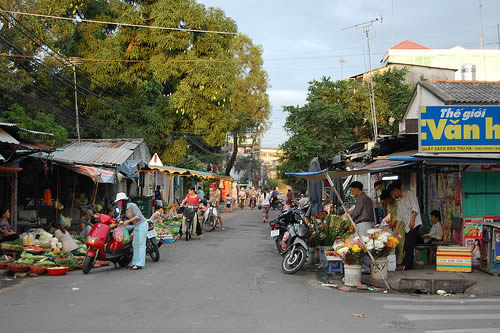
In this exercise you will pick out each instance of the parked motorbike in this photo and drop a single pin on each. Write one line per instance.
(103, 247)
(279, 226)
(295, 243)
(152, 243)
(277, 204)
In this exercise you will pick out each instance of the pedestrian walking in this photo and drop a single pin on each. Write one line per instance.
(409, 214)
(265, 199)
(158, 198)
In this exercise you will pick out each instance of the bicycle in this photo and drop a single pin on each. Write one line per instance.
(212, 218)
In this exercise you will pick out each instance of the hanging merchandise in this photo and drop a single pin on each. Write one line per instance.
(47, 197)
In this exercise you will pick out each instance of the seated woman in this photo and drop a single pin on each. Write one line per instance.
(68, 243)
(436, 232)
(7, 233)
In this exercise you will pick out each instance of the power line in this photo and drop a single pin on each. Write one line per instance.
(117, 23)
(108, 60)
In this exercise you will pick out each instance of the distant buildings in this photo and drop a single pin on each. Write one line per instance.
(456, 63)
(269, 160)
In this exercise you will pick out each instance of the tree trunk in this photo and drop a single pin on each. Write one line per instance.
(231, 161)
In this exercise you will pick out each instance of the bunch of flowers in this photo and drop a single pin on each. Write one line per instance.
(380, 242)
(351, 250)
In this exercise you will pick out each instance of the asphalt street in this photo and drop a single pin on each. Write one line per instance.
(229, 282)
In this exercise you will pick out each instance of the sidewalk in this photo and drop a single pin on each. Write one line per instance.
(427, 280)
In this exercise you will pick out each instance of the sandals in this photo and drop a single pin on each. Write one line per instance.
(135, 267)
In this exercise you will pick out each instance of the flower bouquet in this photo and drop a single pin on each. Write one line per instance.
(351, 250)
(380, 242)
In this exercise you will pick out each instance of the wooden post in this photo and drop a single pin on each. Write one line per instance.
(13, 201)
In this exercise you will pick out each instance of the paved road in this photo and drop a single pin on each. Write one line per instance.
(229, 282)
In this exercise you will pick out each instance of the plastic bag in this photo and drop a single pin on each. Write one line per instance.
(118, 234)
(126, 236)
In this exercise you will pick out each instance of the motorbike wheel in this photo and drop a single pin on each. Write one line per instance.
(293, 261)
(188, 230)
(88, 263)
(211, 223)
(278, 245)
(153, 250)
(124, 261)
(279, 205)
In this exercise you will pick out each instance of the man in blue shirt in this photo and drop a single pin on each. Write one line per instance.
(200, 193)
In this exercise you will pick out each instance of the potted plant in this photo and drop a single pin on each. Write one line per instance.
(381, 243)
(352, 251)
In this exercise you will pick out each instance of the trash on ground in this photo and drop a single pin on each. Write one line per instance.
(360, 315)
(441, 292)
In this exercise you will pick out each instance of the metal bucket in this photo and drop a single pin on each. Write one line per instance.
(352, 275)
(379, 267)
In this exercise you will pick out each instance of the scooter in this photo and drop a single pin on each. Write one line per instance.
(101, 246)
(295, 245)
(253, 201)
(152, 243)
(277, 203)
(211, 219)
(242, 200)
(279, 226)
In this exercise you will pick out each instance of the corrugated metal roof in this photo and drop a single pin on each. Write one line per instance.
(465, 92)
(7, 138)
(96, 152)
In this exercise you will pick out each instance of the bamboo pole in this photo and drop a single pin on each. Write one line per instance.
(354, 225)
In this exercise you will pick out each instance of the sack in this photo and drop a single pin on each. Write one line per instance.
(126, 236)
(118, 234)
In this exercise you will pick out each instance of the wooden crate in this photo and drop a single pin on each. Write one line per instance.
(454, 259)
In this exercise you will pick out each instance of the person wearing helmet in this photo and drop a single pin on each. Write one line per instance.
(129, 213)
(214, 197)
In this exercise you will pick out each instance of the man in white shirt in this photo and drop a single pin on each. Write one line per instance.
(436, 232)
(409, 214)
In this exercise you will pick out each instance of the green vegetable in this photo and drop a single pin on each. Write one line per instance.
(79, 239)
(45, 263)
(18, 242)
(25, 261)
(69, 262)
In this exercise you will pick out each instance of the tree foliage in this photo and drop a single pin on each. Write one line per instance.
(138, 82)
(336, 115)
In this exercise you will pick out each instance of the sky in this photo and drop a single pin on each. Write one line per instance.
(303, 41)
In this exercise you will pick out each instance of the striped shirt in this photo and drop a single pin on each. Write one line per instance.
(408, 204)
(133, 211)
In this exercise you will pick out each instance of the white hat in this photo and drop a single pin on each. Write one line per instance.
(121, 196)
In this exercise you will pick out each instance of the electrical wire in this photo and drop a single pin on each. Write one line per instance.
(109, 60)
(117, 23)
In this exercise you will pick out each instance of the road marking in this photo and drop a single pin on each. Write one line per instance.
(467, 330)
(463, 316)
(437, 300)
(441, 307)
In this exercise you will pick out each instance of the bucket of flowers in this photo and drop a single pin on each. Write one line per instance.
(380, 242)
(352, 251)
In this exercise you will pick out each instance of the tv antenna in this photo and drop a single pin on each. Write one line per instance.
(366, 29)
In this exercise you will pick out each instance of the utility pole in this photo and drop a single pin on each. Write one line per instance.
(366, 29)
(74, 62)
(498, 35)
(481, 37)
(342, 62)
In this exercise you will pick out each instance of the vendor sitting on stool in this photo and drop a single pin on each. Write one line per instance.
(68, 244)
(436, 232)
(7, 233)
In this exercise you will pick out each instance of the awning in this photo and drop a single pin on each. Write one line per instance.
(375, 167)
(188, 172)
(449, 158)
(99, 175)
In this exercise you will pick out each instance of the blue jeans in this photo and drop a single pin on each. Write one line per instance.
(139, 244)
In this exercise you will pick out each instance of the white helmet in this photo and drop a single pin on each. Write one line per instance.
(121, 196)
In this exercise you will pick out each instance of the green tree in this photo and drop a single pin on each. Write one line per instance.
(149, 83)
(392, 95)
(328, 122)
(250, 107)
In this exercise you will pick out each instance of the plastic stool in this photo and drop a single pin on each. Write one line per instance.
(339, 266)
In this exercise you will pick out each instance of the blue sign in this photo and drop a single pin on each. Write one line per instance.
(459, 128)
